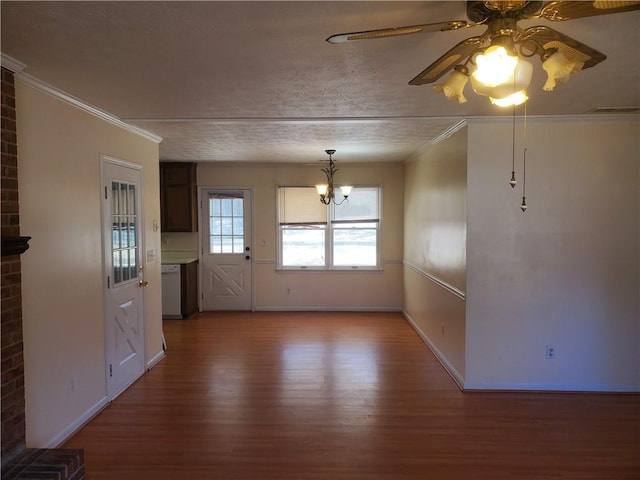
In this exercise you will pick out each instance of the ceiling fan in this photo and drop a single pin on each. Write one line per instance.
(561, 54)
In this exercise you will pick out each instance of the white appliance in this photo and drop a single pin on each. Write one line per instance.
(171, 291)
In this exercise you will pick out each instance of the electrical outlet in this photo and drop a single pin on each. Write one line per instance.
(72, 385)
(442, 328)
(288, 291)
(551, 352)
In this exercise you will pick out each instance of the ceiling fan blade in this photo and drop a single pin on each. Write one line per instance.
(571, 48)
(567, 10)
(447, 61)
(396, 31)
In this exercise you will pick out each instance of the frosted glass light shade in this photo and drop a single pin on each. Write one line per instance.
(453, 87)
(518, 81)
(346, 190)
(517, 98)
(558, 69)
(494, 67)
(322, 189)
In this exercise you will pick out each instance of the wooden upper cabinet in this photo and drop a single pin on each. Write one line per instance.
(178, 197)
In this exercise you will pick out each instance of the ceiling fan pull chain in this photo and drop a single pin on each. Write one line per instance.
(523, 206)
(513, 182)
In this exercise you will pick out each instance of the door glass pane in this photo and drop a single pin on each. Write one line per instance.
(124, 224)
(226, 223)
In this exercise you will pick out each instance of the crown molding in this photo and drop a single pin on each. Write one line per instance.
(54, 92)
(12, 64)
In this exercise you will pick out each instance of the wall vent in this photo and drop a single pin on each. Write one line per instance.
(615, 110)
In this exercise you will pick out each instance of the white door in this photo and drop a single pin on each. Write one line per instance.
(124, 282)
(226, 249)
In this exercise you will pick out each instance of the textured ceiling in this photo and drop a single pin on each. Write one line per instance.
(256, 82)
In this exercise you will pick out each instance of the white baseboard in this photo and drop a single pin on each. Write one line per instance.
(80, 422)
(152, 363)
(448, 366)
(551, 387)
(311, 308)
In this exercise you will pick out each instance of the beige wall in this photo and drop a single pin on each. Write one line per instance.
(435, 248)
(59, 149)
(289, 290)
(566, 272)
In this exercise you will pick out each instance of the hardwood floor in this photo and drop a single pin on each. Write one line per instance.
(342, 396)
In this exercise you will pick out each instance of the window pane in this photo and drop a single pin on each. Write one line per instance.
(215, 226)
(227, 244)
(238, 207)
(238, 226)
(238, 244)
(227, 210)
(131, 200)
(361, 205)
(227, 225)
(115, 204)
(354, 247)
(303, 247)
(215, 245)
(214, 207)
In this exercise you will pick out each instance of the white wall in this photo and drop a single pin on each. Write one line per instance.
(362, 290)
(59, 149)
(566, 272)
(435, 248)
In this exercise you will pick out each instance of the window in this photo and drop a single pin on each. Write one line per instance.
(226, 223)
(124, 219)
(316, 236)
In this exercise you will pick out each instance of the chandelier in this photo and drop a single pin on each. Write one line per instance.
(326, 190)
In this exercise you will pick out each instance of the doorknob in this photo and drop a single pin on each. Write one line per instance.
(143, 283)
(248, 257)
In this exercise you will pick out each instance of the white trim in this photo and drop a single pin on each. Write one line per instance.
(77, 424)
(12, 64)
(441, 283)
(595, 117)
(155, 360)
(85, 107)
(448, 366)
(324, 308)
(287, 120)
(449, 131)
(552, 387)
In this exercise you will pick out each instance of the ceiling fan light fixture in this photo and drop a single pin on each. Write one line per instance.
(453, 87)
(516, 85)
(494, 67)
(559, 68)
(517, 98)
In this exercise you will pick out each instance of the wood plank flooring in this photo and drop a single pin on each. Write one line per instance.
(342, 396)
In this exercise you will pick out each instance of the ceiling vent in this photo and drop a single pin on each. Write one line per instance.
(615, 110)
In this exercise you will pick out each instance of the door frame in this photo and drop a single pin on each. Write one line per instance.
(104, 160)
(202, 189)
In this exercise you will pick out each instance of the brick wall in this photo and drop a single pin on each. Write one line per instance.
(13, 420)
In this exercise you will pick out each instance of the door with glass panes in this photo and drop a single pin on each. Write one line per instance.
(124, 269)
(226, 250)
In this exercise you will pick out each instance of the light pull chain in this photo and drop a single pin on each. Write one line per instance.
(523, 206)
(513, 182)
